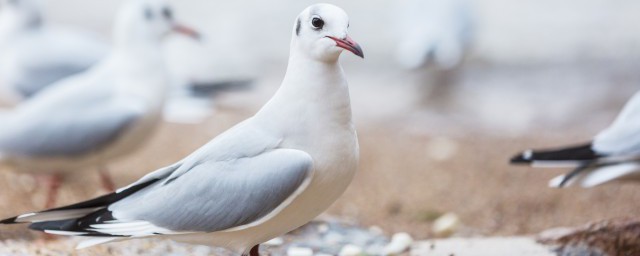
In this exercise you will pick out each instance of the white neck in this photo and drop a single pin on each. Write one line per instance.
(313, 92)
(141, 74)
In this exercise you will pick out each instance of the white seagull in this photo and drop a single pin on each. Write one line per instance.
(34, 54)
(612, 155)
(434, 32)
(262, 178)
(89, 119)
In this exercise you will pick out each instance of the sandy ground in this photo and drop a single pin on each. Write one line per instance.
(522, 246)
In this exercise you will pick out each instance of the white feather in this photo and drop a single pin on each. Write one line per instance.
(134, 228)
(56, 215)
(65, 233)
(556, 164)
(95, 241)
(610, 173)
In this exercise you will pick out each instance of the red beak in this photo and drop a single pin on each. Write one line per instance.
(348, 44)
(187, 31)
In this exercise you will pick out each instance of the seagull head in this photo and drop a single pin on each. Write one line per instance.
(21, 13)
(148, 20)
(321, 31)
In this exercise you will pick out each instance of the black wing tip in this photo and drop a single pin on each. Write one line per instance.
(582, 152)
(9, 221)
(522, 158)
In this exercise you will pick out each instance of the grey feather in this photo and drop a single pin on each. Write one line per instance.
(66, 133)
(218, 195)
(36, 79)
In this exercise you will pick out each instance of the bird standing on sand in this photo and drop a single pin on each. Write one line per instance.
(89, 119)
(35, 54)
(264, 177)
(613, 154)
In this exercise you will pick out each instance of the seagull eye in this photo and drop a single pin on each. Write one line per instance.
(317, 23)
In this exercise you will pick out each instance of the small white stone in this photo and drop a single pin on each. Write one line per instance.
(400, 242)
(442, 148)
(275, 242)
(350, 250)
(376, 230)
(323, 228)
(446, 225)
(299, 251)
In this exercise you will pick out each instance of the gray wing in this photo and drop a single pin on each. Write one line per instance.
(68, 132)
(622, 137)
(38, 78)
(215, 195)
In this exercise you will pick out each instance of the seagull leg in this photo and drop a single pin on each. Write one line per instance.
(255, 251)
(105, 179)
(53, 185)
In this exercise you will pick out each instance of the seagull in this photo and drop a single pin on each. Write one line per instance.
(266, 176)
(435, 32)
(91, 118)
(34, 54)
(612, 155)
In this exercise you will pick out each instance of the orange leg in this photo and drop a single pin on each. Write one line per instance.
(53, 186)
(105, 179)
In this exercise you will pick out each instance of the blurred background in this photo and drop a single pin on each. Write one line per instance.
(536, 73)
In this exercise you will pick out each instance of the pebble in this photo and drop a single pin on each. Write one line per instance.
(376, 230)
(350, 250)
(441, 148)
(278, 241)
(446, 225)
(323, 228)
(299, 251)
(319, 238)
(400, 243)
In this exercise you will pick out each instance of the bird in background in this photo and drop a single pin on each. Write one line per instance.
(612, 155)
(266, 176)
(89, 119)
(35, 54)
(435, 36)
(434, 32)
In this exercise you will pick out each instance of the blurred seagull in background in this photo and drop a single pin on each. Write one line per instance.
(434, 32)
(435, 35)
(91, 118)
(34, 54)
(614, 154)
(264, 177)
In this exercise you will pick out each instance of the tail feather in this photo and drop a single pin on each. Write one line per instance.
(96, 241)
(609, 173)
(572, 156)
(596, 176)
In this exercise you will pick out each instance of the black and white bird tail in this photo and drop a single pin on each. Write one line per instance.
(574, 156)
(596, 175)
(81, 219)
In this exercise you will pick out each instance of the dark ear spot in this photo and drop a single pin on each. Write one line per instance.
(298, 27)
